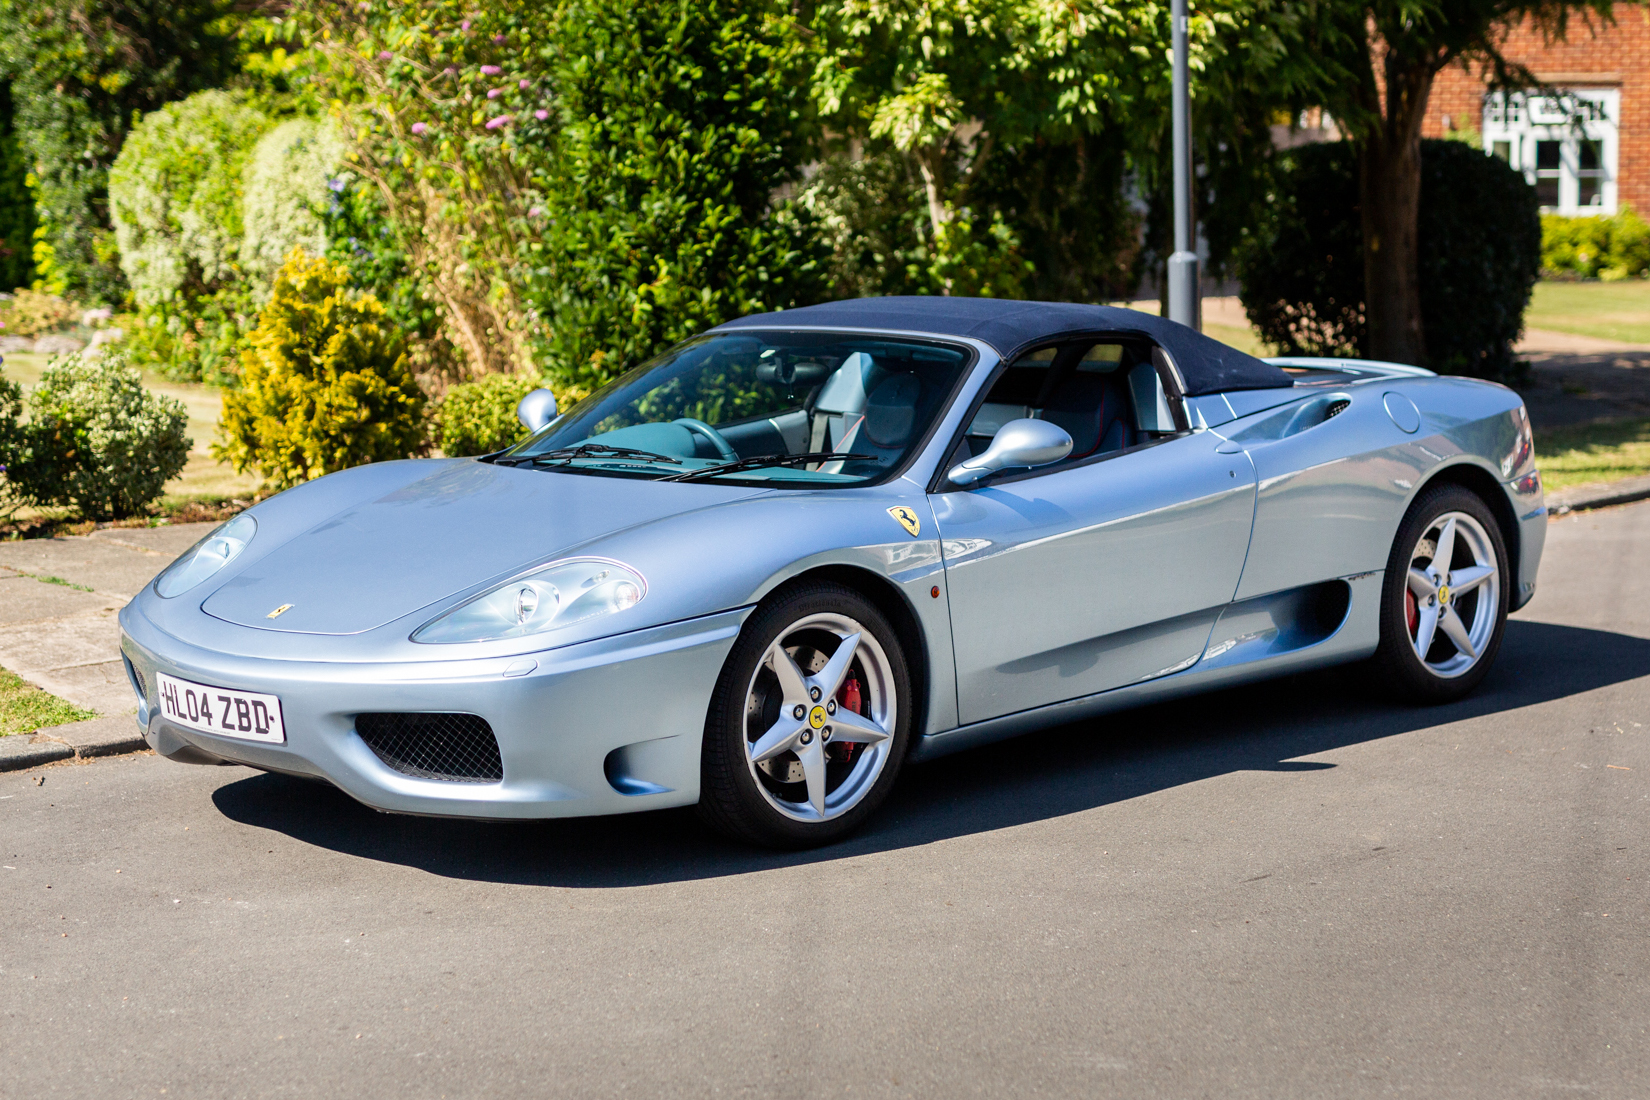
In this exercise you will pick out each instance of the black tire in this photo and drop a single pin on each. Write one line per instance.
(1398, 669)
(732, 800)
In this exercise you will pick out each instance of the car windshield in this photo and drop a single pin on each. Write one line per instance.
(788, 408)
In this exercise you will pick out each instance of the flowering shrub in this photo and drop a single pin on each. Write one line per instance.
(324, 382)
(286, 186)
(96, 440)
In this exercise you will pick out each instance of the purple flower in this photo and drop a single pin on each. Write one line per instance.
(490, 70)
(495, 123)
(541, 114)
(464, 26)
(419, 128)
(336, 183)
(498, 40)
(450, 70)
(384, 55)
(494, 93)
(524, 84)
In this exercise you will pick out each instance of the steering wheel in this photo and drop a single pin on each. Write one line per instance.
(698, 427)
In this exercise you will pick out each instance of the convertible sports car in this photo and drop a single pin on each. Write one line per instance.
(762, 571)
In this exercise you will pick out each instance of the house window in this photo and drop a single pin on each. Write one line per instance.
(1564, 143)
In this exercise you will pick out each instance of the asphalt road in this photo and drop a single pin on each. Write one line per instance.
(1288, 890)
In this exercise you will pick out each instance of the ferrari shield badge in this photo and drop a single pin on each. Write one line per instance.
(907, 519)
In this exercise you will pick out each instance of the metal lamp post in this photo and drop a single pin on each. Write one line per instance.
(1183, 278)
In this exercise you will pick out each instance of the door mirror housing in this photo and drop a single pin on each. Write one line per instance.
(1019, 443)
(536, 409)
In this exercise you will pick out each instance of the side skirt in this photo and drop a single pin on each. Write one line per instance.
(1354, 638)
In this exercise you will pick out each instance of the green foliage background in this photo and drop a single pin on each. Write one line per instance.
(1594, 247)
(1303, 276)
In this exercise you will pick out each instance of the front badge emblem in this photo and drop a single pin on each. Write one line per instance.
(907, 519)
(279, 611)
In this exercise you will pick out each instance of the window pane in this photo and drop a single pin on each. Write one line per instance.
(1546, 191)
(1502, 151)
(1547, 154)
(1590, 191)
(1592, 156)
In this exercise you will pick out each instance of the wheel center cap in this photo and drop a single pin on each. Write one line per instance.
(1443, 595)
(816, 717)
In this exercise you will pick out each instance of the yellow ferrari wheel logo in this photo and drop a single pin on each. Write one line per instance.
(816, 717)
(279, 611)
(907, 519)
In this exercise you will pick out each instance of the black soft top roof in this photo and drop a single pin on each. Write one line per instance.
(1206, 365)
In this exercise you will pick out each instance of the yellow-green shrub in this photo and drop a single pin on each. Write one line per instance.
(479, 417)
(1596, 247)
(325, 383)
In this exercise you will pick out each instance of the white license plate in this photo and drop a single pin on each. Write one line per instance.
(223, 711)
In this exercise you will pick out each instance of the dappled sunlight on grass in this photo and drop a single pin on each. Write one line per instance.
(1587, 453)
(1605, 311)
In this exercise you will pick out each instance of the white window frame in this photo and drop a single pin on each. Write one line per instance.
(1568, 116)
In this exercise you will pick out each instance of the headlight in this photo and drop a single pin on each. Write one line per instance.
(209, 555)
(558, 595)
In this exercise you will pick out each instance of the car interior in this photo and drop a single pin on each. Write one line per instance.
(1107, 394)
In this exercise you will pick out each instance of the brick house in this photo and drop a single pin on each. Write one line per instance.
(1587, 147)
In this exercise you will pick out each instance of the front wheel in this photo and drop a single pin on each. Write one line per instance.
(1444, 602)
(809, 722)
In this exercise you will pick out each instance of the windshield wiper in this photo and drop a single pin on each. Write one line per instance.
(766, 460)
(589, 450)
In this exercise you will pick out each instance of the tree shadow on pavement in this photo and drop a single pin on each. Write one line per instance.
(1067, 769)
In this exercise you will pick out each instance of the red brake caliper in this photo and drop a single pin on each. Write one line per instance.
(1412, 613)
(850, 697)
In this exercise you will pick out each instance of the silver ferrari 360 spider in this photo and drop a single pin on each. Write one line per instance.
(766, 569)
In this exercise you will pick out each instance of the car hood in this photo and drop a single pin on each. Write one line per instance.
(464, 523)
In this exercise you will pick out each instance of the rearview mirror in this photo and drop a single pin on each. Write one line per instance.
(1017, 443)
(536, 409)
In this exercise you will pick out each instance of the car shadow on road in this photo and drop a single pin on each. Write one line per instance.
(1081, 766)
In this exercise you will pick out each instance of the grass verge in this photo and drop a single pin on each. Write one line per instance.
(1606, 311)
(24, 708)
(1587, 453)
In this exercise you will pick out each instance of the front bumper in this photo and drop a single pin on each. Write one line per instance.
(607, 726)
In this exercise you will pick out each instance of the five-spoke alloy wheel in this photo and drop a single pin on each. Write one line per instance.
(810, 720)
(1444, 603)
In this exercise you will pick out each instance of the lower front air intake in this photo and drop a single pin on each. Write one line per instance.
(459, 748)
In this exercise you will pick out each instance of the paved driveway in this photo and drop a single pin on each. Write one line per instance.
(1289, 890)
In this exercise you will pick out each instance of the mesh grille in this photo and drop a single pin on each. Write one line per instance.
(456, 747)
(1336, 408)
(139, 685)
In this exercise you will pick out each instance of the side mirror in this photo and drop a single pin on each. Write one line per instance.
(1017, 443)
(536, 409)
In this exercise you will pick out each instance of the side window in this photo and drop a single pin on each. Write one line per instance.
(1106, 394)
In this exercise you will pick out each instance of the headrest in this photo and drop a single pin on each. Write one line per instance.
(892, 409)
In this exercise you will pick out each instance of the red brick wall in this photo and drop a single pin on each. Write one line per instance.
(1613, 57)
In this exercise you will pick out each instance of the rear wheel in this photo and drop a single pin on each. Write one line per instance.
(809, 723)
(1444, 602)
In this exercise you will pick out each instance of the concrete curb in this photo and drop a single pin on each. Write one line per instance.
(98, 737)
(1585, 497)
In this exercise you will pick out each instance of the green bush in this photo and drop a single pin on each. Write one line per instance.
(285, 190)
(324, 382)
(479, 417)
(672, 128)
(97, 441)
(11, 443)
(175, 196)
(1596, 247)
(1302, 272)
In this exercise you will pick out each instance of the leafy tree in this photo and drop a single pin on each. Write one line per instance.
(1372, 63)
(81, 71)
(16, 203)
(1303, 273)
(956, 86)
(674, 124)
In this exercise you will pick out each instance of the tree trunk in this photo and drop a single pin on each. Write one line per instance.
(1389, 193)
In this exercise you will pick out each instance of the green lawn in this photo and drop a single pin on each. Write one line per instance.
(203, 479)
(24, 708)
(1607, 311)
(1606, 451)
